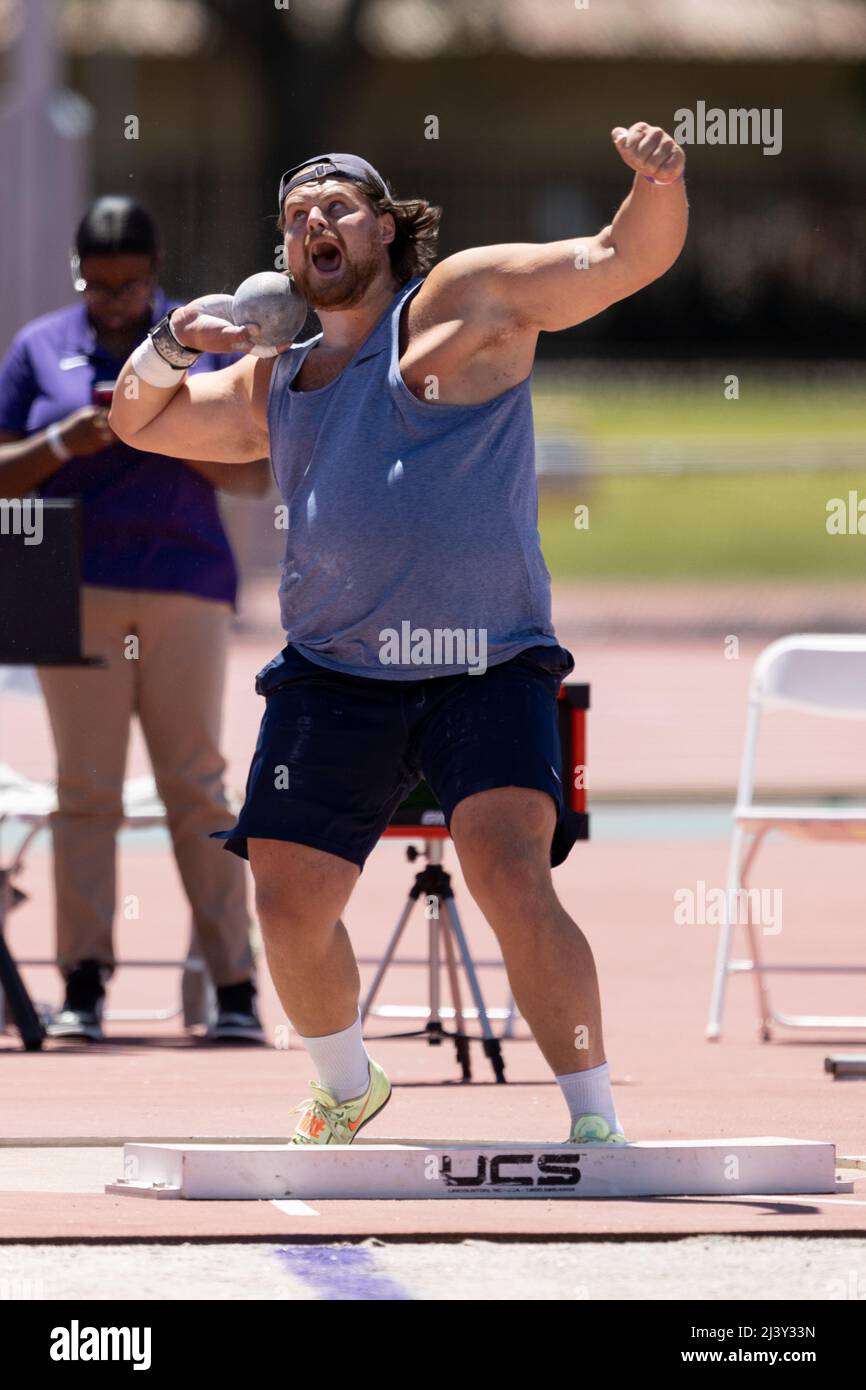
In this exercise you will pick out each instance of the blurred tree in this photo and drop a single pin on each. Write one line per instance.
(305, 86)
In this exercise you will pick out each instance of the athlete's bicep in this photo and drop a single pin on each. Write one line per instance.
(535, 287)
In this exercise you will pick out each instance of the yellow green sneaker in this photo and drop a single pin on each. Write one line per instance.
(594, 1129)
(327, 1121)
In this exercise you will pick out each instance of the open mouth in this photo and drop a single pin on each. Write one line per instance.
(327, 258)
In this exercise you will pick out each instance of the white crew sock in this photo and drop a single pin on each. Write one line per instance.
(341, 1061)
(589, 1093)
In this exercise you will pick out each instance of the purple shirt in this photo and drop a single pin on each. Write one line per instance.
(148, 521)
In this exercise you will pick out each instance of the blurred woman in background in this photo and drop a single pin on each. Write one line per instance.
(158, 592)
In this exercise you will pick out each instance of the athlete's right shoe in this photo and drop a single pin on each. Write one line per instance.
(325, 1120)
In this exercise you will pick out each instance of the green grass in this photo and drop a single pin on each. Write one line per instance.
(683, 407)
(769, 526)
(692, 526)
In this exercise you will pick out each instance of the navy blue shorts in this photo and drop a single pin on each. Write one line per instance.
(336, 754)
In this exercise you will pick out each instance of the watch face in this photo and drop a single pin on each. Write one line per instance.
(169, 348)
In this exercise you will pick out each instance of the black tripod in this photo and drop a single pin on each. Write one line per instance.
(433, 884)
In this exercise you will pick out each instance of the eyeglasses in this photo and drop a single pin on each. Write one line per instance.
(95, 289)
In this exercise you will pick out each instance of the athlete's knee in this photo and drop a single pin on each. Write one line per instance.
(504, 847)
(299, 891)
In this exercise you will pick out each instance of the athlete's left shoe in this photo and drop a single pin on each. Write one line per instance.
(325, 1120)
(594, 1129)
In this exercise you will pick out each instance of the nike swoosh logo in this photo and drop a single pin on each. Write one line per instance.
(353, 1124)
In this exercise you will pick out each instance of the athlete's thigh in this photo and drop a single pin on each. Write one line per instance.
(328, 771)
(495, 730)
(297, 881)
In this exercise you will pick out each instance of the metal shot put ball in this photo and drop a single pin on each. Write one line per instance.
(271, 302)
(219, 306)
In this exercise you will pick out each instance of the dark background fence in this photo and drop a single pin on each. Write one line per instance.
(524, 98)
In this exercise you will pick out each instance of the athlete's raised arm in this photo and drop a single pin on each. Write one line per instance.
(554, 285)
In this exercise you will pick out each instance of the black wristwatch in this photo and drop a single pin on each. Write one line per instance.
(169, 349)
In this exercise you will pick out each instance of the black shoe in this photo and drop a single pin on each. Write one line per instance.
(81, 1015)
(237, 1016)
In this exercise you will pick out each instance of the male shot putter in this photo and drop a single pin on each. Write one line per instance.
(401, 438)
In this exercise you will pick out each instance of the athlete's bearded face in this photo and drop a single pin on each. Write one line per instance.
(334, 242)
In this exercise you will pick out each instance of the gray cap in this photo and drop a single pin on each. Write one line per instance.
(322, 166)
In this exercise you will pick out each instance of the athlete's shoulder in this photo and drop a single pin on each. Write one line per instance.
(468, 266)
(464, 280)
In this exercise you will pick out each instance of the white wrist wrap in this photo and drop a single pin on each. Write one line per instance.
(147, 363)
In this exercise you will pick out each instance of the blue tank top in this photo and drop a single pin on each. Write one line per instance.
(412, 546)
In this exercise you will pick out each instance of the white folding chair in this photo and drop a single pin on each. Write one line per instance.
(817, 675)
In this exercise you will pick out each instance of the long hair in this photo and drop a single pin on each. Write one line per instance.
(413, 250)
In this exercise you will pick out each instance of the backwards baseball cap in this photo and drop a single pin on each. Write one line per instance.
(322, 166)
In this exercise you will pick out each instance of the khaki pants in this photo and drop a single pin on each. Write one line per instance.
(175, 686)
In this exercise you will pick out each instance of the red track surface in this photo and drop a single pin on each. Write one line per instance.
(664, 715)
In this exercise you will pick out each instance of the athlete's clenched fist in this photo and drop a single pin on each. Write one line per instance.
(650, 151)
